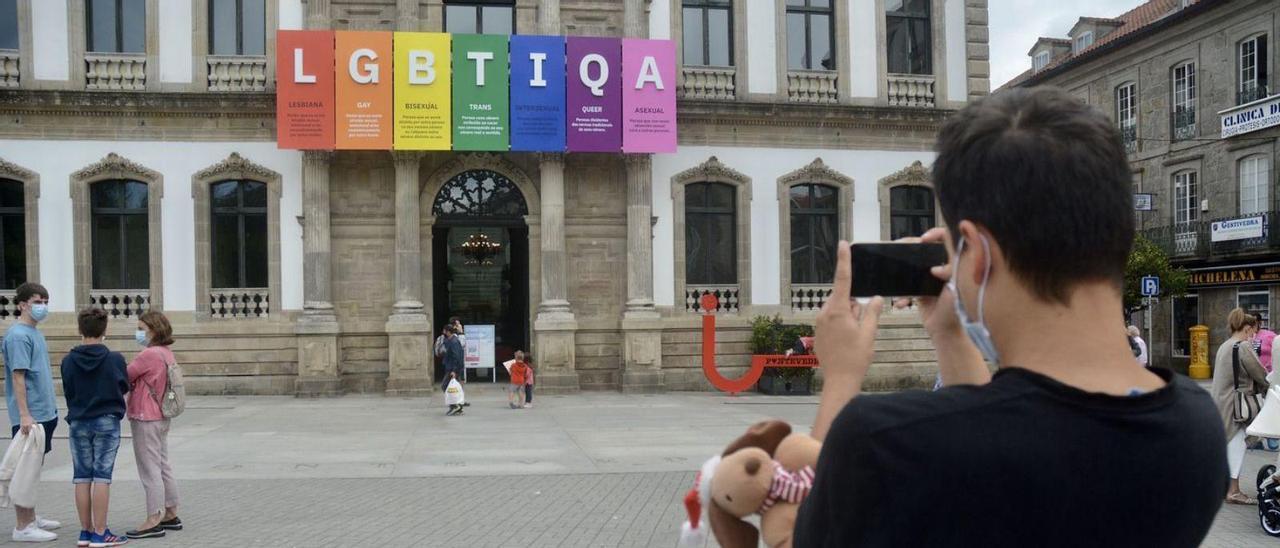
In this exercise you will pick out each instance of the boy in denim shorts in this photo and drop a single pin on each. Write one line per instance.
(94, 380)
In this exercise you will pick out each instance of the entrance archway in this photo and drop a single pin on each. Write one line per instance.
(480, 256)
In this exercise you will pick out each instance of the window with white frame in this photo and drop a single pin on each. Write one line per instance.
(1186, 201)
(1255, 174)
(1040, 61)
(1186, 314)
(1127, 113)
(1184, 100)
(1083, 41)
(1252, 66)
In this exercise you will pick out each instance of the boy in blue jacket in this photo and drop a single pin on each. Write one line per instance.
(94, 381)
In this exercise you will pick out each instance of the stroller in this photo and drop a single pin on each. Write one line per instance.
(1267, 425)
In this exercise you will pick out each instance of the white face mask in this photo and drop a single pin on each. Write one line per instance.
(977, 331)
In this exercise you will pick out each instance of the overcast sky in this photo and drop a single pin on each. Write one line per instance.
(1016, 24)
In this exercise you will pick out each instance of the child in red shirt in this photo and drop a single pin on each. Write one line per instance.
(518, 371)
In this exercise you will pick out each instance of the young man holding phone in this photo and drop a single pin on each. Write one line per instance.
(1067, 444)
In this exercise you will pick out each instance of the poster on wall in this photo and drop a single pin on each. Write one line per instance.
(594, 94)
(422, 91)
(478, 353)
(304, 89)
(363, 90)
(480, 92)
(648, 96)
(537, 93)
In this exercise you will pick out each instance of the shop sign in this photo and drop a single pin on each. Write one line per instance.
(1238, 229)
(1254, 116)
(437, 91)
(1235, 275)
(1142, 202)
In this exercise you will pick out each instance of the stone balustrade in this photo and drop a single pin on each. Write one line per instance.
(115, 71)
(911, 90)
(812, 86)
(713, 83)
(809, 297)
(727, 295)
(8, 68)
(121, 303)
(237, 73)
(240, 303)
(9, 305)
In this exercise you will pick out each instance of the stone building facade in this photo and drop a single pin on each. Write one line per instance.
(320, 272)
(1176, 77)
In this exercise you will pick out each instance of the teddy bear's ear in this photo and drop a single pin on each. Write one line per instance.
(732, 532)
(765, 435)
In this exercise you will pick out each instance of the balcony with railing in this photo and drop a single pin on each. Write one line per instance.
(812, 86)
(237, 73)
(9, 305)
(809, 297)
(253, 302)
(1251, 92)
(1237, 235)
(911, 90)
(1184, 123)
(726, 296)
(121, 303)
(1129, 136)
(713, 83)
(8, 68)
(115, 71)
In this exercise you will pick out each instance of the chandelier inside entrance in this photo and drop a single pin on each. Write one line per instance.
(479, 250)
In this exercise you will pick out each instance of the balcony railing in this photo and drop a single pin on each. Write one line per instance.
(237, 73)
(121, 303)
(809, 297)
(240, 303)
(726, 295)
(8, 68)
(911, 90)
(715, 83)
(1129, 135)
(1184, 123)
(1251, 93)
(1195, 239)
(115, 71)
(9, 305)
(812, 86)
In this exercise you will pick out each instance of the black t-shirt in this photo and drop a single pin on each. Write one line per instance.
(1022, 461)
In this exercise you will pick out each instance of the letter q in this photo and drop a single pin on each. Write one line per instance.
(584, 73)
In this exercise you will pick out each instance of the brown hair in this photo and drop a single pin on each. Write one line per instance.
(161, 331)
(30, 289)
(92, 322)
(1238, 320)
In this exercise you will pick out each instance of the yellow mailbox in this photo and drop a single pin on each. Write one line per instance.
(1199, 352)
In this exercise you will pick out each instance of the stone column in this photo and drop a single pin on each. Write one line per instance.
(549, 17)
(633, 19)
(641, 323)
(317, 328)
(555, 325)
(408, 327)
(407, 15)
(318, 14)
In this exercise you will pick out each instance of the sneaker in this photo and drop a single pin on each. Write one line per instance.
(174, 524)
(33, 534)
(528, 406)
(84, 538)
(47, 524)
(511, 405)
(106, 540)
(154, 532)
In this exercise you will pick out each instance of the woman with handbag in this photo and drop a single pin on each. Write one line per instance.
(149, 377)
(1239, 382)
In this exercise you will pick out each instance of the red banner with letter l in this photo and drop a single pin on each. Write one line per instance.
(304, 89)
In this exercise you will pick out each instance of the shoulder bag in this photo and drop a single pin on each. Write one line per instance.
(1246, 404)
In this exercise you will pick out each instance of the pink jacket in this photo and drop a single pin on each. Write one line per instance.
(1264, 354)
(148, 373)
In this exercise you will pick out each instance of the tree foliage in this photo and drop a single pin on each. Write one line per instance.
(1147, 259)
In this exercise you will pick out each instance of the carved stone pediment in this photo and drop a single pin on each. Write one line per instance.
(236, 166)
(115, 166)
(914, 174)
(816, 172)
(11, 170)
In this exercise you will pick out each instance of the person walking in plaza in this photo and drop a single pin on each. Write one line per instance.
(94, 382)
(1135, 337)
(149, 376)
(528, 384)
(29, 395)
(453, 358)
(1065, 442)
(515, 390)
(1237, 368)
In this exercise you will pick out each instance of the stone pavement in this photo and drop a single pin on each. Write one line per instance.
(596, 469)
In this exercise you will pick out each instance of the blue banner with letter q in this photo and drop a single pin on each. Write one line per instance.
(537, 93)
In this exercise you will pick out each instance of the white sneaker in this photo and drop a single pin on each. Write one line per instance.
(33, 534)
(47, 524)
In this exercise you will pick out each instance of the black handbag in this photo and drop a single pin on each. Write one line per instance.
(1247, 404)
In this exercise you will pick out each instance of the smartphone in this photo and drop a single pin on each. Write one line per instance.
(897, 269)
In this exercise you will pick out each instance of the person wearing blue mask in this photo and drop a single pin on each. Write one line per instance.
(1065, 443)
(28, 389)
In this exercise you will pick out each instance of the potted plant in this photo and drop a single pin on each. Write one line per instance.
(770, 340)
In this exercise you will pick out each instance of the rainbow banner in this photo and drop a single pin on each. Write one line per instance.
(349, 90)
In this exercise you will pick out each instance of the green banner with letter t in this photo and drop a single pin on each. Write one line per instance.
(480, 86)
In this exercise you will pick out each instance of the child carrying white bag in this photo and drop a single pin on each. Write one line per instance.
(453, 396)
(20, 469)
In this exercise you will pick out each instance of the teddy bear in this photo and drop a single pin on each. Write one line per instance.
(768, 470)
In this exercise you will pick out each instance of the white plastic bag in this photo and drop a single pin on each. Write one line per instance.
(453, 393)
(20, 469)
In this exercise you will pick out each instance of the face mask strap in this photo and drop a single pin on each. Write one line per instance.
(986, 277)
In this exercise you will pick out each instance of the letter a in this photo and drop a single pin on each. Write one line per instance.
(649, 73)
(298, 76)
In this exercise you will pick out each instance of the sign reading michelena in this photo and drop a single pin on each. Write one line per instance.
(439, 91)
(1235, 275)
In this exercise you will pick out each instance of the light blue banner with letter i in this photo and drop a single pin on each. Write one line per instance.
(537, 93)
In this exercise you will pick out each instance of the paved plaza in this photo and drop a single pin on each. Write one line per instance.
(596, 469)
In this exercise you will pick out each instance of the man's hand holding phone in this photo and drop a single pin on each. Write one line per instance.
(843, 342)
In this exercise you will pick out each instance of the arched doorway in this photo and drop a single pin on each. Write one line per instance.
(480, 258)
